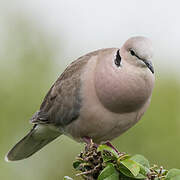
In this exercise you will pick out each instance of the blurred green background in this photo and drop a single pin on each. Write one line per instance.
(31, 59)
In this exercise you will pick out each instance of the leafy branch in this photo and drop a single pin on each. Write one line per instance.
(104, 163)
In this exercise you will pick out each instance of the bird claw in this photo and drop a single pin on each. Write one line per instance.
(89, 143)
(110, 145)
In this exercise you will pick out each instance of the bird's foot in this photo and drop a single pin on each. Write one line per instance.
(110, 145)
(89, 142)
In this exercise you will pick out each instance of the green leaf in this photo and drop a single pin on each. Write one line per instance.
(67, 178)
(103, 147)
(122, 157)
(131, 165)
(128, 175)
(141, 160)
(143, 170)
(173, 174)
(109, 173)
(76, 164)
(107, 158)
(143, 163)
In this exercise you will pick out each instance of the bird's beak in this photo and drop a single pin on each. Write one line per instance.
(149, 65)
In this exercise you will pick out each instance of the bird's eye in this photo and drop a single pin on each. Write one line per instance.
(132, 53)
(117, 60)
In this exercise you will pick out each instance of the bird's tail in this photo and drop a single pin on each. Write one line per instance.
(37, 138)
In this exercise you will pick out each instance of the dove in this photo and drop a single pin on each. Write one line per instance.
(98, 96)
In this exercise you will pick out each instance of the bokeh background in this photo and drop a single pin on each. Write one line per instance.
(38, 38)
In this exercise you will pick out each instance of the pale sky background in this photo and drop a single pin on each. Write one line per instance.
(81, 26)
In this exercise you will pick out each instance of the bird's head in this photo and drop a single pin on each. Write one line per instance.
(138, 51)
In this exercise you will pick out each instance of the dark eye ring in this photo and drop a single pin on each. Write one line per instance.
(132, 53)
(117, 60)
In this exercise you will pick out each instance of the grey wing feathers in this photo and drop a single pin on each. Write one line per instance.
(62, 103)
(31, 143)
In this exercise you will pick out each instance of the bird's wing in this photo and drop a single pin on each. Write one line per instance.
(62, 103)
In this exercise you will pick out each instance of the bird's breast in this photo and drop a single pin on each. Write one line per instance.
(125, 89)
